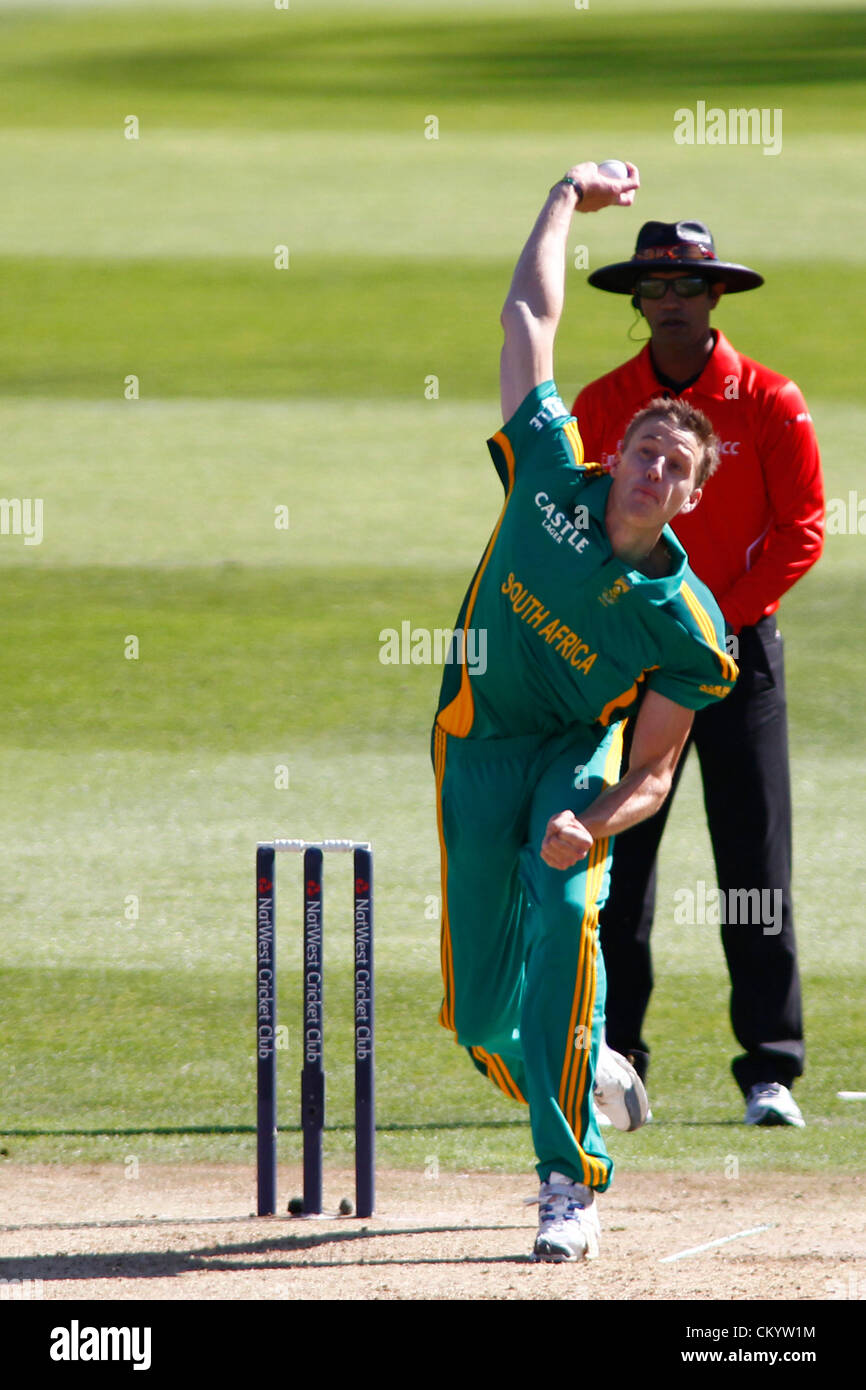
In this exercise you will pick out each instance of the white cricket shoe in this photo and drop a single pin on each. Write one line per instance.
(770, 1103)
(568, 1224)
(618, 1091)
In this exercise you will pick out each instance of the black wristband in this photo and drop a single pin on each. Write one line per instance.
(578, 187)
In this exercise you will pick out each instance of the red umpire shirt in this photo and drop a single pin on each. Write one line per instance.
(760, 524)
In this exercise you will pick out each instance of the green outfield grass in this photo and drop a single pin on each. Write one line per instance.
(134, 790)
(382, 328)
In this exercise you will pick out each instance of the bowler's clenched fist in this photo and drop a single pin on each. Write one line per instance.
(566, 841)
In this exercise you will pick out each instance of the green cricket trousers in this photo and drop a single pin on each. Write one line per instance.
(523, 975)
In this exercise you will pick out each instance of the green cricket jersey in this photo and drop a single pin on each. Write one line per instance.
(568, 633)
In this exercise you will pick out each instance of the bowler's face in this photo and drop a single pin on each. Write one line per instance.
(654, 477)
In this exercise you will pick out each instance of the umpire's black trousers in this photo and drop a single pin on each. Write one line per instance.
(742, 744)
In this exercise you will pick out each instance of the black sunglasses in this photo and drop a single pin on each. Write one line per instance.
(686, 286)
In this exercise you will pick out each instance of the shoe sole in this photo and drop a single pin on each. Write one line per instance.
(636, 1102)
(553, 1254)
(546, 1252)
(635, 1097)
(772, 1118)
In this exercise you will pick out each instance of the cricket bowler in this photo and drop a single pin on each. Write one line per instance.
(587, 601)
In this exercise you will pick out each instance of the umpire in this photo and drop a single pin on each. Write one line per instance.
(758, 529)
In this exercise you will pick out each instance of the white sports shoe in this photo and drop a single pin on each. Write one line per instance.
(618, 1091)
(770, 1103)
(568, 1224)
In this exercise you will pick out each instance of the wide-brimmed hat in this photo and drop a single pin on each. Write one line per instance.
(674, 246)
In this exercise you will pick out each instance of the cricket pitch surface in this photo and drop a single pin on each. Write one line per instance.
(187, 1232)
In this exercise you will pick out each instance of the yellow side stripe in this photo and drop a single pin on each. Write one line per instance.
(499, 1073)
(573, 1083)
(446, 1013)
(595, 1167)
(456, 718)
(705, 623)
(568, 1078)
(579, 1060)
(566, 1082)
(572, 434)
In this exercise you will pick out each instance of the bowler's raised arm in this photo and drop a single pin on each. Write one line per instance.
(531, 313)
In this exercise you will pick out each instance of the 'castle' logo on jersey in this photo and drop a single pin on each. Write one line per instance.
(609, 596)
(557, 525)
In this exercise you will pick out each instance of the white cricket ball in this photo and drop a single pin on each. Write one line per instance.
(614, 168)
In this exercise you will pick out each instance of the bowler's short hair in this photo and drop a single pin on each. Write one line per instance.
(682, 416)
